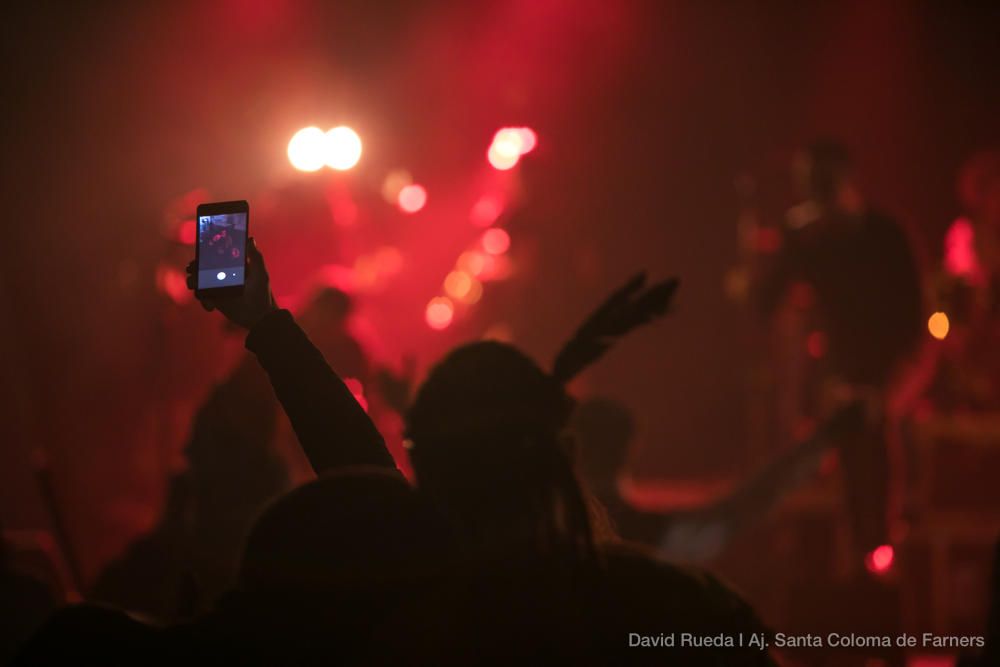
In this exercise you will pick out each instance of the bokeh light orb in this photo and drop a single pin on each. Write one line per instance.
(343, 148)
(307, 149)
(496, 241)
(473, 262)
(485, 211)
(187, 232)
(528, 139)
(880, 559)
(457, 284)
(412, 198)
(395, 180)
(439, 313)
(474, 293)
(938, 325)
(501, 160)
(508, 142)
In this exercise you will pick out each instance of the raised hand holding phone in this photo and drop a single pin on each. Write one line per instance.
(255, 301)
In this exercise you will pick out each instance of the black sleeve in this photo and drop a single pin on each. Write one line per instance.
(332, 427)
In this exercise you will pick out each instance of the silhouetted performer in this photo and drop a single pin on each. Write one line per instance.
(967, 290)
(860, 266)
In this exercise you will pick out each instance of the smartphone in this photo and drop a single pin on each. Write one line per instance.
(221, 248)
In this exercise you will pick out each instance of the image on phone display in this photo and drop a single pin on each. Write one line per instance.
(222, 241)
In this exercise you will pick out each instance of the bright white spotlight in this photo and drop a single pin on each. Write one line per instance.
(343, 148)
(307, 149)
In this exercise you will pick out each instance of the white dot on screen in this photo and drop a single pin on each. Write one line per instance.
(221, 275)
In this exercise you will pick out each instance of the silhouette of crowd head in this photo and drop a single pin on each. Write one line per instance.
(822, 171)
(486, 432)
(358, 529)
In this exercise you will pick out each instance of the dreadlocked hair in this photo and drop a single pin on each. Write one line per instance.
(486, 431)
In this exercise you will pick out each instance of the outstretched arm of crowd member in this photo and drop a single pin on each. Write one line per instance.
(332, 427)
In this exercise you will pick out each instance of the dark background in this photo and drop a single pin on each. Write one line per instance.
(645, 112)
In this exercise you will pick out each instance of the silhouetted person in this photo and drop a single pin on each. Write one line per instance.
(860, 267)
(604, 430)
(487, 447)
(235, 466)
(967, 290)
(324, 574)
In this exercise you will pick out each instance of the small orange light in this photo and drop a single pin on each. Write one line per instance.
(938, 325)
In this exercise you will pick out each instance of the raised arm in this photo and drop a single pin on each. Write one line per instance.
(333, 429)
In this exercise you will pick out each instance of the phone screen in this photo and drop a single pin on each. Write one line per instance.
(222, 244)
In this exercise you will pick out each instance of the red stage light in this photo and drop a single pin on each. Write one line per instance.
(879, 560)
(388, 260)
(816, 344)
(960, 256)
(440, 312)
(458, 284)
(412, 198)
(496, 241)
(395, 180)
(485, 211)
(171, 281)
(473, 262)
(528, 139)
(187, 233)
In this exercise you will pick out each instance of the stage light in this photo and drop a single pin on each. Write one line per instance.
(457, 284)
(439, 313)
(500, 160)
(879, 560)
(395, 180)
(508, 142)
(473, 262)
(528, 139)
(365, 271)
(342, 148)
(307, 149)
(485, 211)
(474, 294)
(187, 232)
(171, 281)
(388, 260)
(460, 286)
(412, 198)
(816, 344)
(938, 325)
(496, 241)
